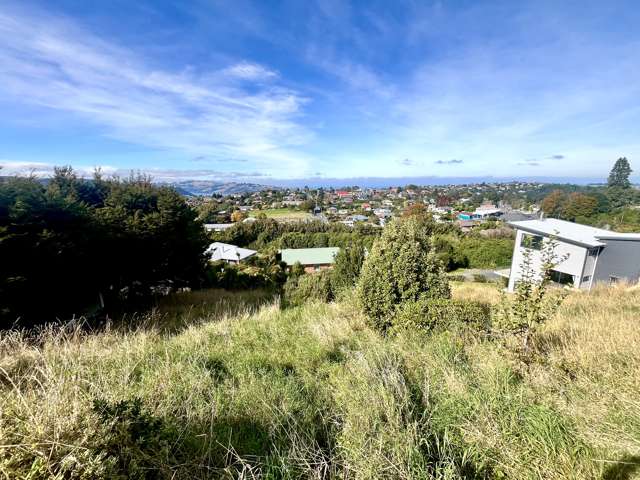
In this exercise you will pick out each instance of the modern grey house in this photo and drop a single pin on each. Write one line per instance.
(588, 255)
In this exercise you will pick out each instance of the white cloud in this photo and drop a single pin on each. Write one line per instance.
(250, 71)
(43, 169)
(52, 63)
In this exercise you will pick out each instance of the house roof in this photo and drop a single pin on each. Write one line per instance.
(218, 226)
(225, 251)
(514, 216)
(309, 256)
(573, 232)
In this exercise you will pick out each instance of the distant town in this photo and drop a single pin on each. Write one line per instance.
(466, 205)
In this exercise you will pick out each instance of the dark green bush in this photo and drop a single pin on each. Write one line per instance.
(486, 252)
(348, 264)
(87, 247)
(402, 267)
(257, 273)
(480, 278)
(311, 286)
(430, 314)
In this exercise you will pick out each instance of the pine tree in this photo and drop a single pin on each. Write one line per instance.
(619, 176)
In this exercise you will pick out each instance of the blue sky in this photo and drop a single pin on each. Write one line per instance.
(265, 90)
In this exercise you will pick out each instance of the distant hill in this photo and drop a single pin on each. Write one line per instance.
(206, 187)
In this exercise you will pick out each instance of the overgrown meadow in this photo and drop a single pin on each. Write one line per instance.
(208, 388)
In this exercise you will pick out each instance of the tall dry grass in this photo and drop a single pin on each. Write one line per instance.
(312, 392)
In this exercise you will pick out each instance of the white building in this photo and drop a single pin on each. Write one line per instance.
(588, 255)
(217, 227)
(228, 253)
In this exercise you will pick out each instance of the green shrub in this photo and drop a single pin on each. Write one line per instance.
(533, 302)
(402, 266)
(312, 286)
(429, 314)
(347, 266)
(486, 252)
(457, 278)
(480, 278)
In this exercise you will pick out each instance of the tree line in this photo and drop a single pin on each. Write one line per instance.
(597, 205)
(73, 246)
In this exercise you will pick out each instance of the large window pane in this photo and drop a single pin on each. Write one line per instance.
(534, 242)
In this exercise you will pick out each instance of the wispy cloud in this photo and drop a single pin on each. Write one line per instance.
(556, 157)
(453, 161)
(51, 62)
(529, 162)
(406, 162)
(250, 71)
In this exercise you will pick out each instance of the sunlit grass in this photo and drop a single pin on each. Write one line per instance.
(248, 391)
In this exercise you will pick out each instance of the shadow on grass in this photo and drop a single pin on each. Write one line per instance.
(175, 312)
(623, 469)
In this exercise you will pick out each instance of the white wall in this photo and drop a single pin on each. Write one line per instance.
(572, 264)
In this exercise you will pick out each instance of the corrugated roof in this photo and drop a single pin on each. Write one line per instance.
(573, 232)
(225, 251)
(309, 256)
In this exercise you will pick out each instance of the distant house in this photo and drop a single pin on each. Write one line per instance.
(312, 259)
(228, 253)
(481, 213)
(217, 227)
(589, 255)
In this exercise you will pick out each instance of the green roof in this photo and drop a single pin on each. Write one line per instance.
(309, 256)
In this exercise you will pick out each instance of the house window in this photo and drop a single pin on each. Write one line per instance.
(561, 278)
(533, 242)
(586, 278)
(613, 280)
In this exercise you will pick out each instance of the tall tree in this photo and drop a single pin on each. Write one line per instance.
(579, 206)
(619, 176)
(552, 203)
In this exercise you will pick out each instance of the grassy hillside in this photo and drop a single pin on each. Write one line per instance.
(312, 392)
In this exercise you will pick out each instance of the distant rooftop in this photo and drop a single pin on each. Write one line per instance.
(218, 226)
(309, 256)
(225, 251)
(573, 232)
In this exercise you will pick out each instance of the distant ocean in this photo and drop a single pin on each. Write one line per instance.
(382, 182)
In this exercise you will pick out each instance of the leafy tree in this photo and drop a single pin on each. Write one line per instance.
(619, 176)
(238, 216)
(579, 206)
(402, 266)
(552, 203)
(416, 210)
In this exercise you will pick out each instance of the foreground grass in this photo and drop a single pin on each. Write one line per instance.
(312, 392)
